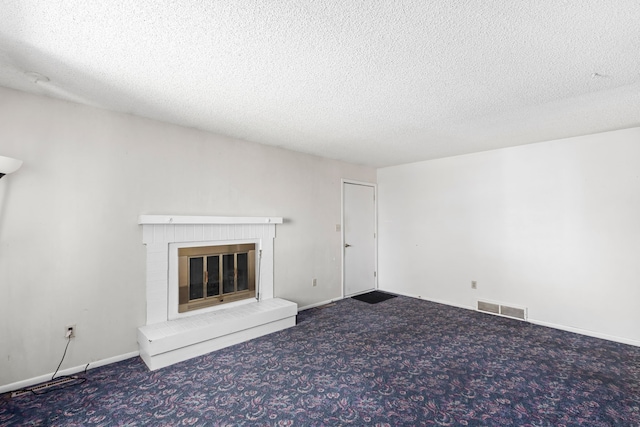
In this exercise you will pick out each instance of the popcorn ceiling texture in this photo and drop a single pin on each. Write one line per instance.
(376, 83)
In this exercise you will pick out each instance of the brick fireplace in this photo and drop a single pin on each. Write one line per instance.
(169, 335)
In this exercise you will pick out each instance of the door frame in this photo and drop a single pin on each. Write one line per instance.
(375, 227)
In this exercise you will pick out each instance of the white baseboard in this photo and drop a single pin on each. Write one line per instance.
(466, 307)
(69, 371)
(318, 304)
(538, 322)
(586, 332)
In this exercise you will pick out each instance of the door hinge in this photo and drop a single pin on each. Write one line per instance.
(375, 274)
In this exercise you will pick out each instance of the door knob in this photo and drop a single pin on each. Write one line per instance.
(346, 245)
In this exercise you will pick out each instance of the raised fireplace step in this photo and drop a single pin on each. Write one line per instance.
(165, 343)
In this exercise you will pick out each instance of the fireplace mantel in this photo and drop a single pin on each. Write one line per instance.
(182, 219)
(169, 336)
(163, 234)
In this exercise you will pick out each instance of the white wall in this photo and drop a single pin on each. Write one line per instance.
(553, 226)
(71, 251)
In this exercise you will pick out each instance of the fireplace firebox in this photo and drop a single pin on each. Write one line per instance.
(213, 275)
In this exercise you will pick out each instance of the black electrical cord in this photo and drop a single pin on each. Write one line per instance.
(63, 355)
(78, 380)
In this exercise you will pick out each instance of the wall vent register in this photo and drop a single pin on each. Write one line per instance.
(212, 275)
(502, 310)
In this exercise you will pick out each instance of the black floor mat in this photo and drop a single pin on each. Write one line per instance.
(374, 297)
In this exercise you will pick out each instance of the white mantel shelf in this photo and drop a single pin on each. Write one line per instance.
(181, 219)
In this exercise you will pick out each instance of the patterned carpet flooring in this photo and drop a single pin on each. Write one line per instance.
(401, 362)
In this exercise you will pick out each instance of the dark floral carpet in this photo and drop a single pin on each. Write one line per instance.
(402, 362)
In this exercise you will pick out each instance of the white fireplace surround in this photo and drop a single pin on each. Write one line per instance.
(164, 234)
(170, 337)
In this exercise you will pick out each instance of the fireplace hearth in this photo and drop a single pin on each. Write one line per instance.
(224, 296)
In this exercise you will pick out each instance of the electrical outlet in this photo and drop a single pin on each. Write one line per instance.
(314, 282)
(474, 284)
(70, 331)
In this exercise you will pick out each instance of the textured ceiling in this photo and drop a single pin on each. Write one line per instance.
(377, 83)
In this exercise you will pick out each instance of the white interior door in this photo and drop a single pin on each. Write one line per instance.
(359, 228)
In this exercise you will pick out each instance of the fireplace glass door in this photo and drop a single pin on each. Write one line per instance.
(213, 275)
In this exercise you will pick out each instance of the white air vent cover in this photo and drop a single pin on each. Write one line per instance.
(519, 313)
(489, 307)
